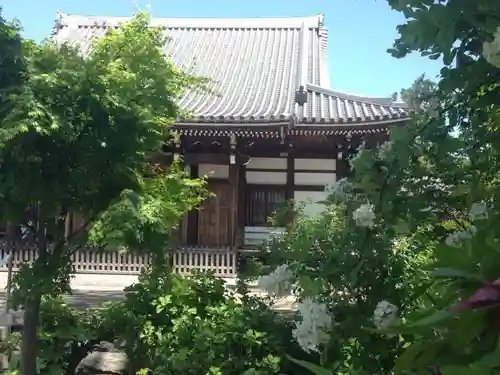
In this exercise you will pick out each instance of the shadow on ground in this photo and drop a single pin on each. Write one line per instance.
(83, 299)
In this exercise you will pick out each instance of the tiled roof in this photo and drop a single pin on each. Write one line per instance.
(325, 106)
(255, 64)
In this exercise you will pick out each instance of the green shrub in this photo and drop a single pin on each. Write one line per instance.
(65, 336)
(173, 325)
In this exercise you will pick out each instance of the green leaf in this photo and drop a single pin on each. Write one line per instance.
(489, 361)
(353, 275)
(401, 227)
(407, 360)
(460, 370)
(453, 273)
(437, 317)
(315, 369)
(311, 288)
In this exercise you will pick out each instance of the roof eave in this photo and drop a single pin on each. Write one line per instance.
(333, 123)
(354, 122)
(231, 123)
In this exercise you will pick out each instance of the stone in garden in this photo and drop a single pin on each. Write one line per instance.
(104, 359)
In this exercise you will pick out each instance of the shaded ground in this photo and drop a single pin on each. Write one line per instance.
(83, 299)
(93, 282)
(93, 298)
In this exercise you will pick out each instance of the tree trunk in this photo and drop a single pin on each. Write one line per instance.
(31, 320)
(29, 342)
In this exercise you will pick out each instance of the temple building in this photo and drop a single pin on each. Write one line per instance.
(273, 129)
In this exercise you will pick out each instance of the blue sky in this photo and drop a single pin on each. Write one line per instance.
(360, 31)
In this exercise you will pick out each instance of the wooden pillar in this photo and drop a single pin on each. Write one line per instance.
(240, 233)
(192, 216)
(234, 182)
(68, 225)
(164, 156)
(344, 153)
(176, 146)
(180, 233)
(290, 173)
(340, 163)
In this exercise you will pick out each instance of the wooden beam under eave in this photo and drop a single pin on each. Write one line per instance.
(315, 147)
(213, 158)
(206, 158)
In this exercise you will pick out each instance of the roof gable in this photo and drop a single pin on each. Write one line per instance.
(255, 65)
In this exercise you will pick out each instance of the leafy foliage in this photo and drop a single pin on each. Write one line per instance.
(14, 67)
(352, 268)
(416, 223)
(143, 221)
(174, 325)
(78, 134)
(65, 337)
(458, 333)
(79, 116)
(170, 325)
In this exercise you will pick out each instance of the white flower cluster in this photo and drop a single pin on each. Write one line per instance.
(491, 50)
(385, 315)
(359, 153)
(312, 330)
(433, 107)
(384, 149)
(478, 211)
(364, 215)
(456, 239)
(277, 283)
(339, 189)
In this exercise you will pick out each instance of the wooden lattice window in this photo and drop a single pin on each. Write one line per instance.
(261, 202)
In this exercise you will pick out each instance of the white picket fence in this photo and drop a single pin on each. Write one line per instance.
(221, 261)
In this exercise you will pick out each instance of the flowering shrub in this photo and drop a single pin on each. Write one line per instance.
(370, 271)
(404, 262)
(351, 268)
(491, 50)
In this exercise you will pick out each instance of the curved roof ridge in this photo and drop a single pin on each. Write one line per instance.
(254, 66)
(315, 21)
(359, 98)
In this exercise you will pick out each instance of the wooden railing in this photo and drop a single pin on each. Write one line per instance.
(222, 261)
(85, 260)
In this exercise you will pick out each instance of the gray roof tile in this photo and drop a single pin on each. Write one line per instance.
(326, 106)
(255, 65)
